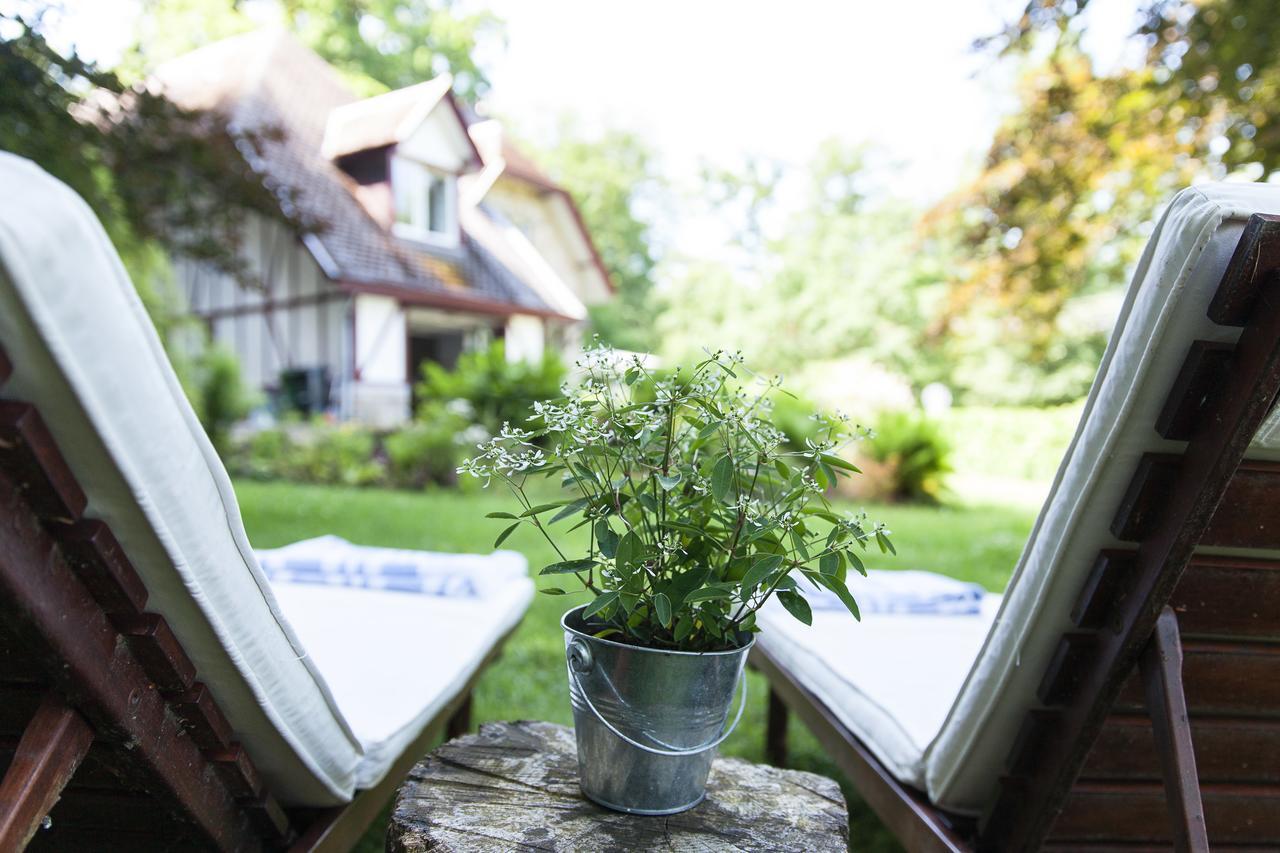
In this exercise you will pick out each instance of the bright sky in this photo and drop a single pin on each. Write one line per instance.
(711, 81)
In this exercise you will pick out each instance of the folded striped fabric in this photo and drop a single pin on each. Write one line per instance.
(902, 593)
(333, 561)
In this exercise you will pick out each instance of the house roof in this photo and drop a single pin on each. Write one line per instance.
(502, 158)
(266, 79)
(391, 118)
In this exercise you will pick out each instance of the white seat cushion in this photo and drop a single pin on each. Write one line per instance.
(86, 354)
(890, 678)
(1163, 313)
(393, 659)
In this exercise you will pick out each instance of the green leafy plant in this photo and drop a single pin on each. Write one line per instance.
(429, 449)
(915, 454)
(499, 391)
(696, 510)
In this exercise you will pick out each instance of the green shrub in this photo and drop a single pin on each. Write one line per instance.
(264, 455)
(498, 391)
(914, 454)
(429, 449)
(314, 452)
(224, 399)
(340, 454)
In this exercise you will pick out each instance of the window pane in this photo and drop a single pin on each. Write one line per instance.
(402, 175)
(438, 213)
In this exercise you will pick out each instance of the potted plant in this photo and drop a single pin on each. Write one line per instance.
(691, 512)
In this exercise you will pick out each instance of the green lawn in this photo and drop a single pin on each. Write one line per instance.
(977, 543)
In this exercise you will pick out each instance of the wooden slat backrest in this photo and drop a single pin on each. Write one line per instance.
(1084, 771)
(72, 618)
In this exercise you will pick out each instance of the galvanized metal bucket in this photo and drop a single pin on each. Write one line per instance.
(648, 721)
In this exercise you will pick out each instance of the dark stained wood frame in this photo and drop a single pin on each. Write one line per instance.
(1122, 620)
(118, 677)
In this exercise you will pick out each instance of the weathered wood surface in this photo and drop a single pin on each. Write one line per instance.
(515, 786)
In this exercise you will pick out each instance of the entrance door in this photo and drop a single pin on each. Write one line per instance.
(441, 347)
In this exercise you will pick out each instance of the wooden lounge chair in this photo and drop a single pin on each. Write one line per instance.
(153, 694)
(1127, 694)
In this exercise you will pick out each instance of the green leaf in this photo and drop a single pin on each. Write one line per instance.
(760, 570)
(842, 592)
(669, 483)
(541, 508)
(886, 546)
(796, 606)
(606, 539)
(798, 541)
(852, 557)
(500, 515)
(630, 550)
(662, 606)
(601, 602)
(553, 590)
(684, 627)
(829, 563)
(781, 467)
(709, 593)
(502, 537)
(568, 567)
(722, 478)
(708, 431)
(836, 462)
(577, 506)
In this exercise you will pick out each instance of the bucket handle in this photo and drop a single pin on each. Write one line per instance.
(580, 656)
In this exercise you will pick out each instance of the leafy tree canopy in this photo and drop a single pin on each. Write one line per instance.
(1087, 158)
(377, 44)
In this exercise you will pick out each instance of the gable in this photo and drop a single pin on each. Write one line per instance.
(440, 140)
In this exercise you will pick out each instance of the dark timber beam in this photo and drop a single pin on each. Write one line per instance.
(1161, 666)
(51, 748)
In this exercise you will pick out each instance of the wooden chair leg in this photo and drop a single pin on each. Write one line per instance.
(51, 748)
(460, 722)
(775, 742)
(1161, 667)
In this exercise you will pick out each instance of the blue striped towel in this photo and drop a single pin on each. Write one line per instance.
(333, 561)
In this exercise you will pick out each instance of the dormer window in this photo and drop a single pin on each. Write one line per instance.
(426, 202)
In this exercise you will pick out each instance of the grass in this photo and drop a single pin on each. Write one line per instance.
(975, 543)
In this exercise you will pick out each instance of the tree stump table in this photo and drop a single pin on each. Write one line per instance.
(515, 786)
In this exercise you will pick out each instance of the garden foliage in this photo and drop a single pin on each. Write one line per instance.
(915, 454)
(697, 511)
(499, 391)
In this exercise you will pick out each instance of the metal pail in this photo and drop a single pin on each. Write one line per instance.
(648, 721)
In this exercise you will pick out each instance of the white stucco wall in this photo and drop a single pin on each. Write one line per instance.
(380, 393)
(525, 338)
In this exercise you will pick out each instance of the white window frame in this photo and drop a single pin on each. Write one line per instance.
(404, 169)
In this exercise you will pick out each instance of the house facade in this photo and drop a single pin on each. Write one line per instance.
(433, 235)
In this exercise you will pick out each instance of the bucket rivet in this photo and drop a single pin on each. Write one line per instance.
(580, 657)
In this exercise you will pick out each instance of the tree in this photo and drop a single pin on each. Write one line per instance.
(163, 181)
(155, 174)
(841, 279)
(377, 44)
(612, 178)
(1087, 158)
